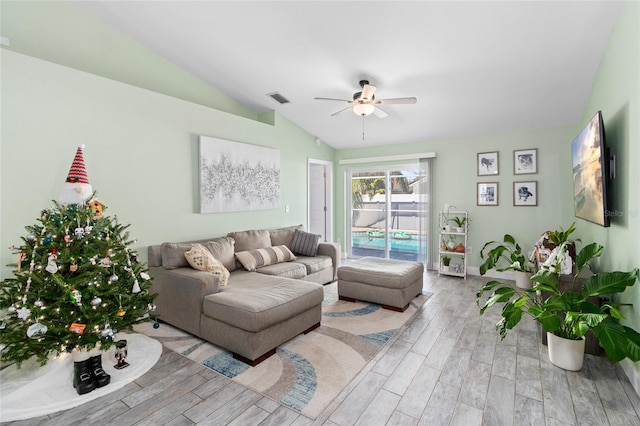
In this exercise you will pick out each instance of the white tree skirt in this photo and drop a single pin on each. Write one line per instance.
(33, 391)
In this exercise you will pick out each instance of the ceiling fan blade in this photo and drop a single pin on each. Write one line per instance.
(380, 113)
(367, 92)
(334, 99)
(395, 101)
(341, 111)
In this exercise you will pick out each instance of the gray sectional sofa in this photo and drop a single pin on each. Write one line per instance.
(257, 310)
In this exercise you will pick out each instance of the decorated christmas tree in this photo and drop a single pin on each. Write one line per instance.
(76, 281)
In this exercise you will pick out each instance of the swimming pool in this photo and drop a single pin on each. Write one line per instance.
(360, 240)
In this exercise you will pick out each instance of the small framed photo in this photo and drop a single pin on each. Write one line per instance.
(525, 193)
(487, 194)
(525, 161)
(488, 163)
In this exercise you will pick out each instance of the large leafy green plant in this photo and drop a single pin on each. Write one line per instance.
(569, 314)
(508, 253)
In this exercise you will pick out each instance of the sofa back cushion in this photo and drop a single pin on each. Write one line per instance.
(173, 255)
(250, 240)
(223, 249)
(283, 236)
(253, 259)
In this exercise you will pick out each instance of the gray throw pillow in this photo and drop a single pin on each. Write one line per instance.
(305, 243)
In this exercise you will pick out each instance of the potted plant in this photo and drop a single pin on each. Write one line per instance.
(567, 316)
(459, 221)
(508, 253)
(446, 262)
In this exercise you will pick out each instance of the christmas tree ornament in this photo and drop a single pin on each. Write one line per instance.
(38, 303)
(136, 287)
(20, 258)
(151, 307)
(88, 229)
(52, 266)
(76, 296)
(156, 324)
(31, 237)
(36, 329)
(67, 238)
(113, 278)
(3, 325)
(73, 267)
(121, 312)
(76, 189)
(105, 262)
(11, 309)
(96, 301)
(77, 328)
(24, 313)
(79, 233)
(96, 208)
(47, 240)
(107, 331)
(144, 276)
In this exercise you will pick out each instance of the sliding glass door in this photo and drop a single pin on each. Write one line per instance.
(389, 212)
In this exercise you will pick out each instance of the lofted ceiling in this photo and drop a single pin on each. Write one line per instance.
(475, 67)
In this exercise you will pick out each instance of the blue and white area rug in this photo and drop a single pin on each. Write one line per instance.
(309, 371)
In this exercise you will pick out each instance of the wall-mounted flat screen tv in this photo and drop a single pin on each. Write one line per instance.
(591, 173)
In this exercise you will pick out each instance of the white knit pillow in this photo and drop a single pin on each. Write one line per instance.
(201, 259)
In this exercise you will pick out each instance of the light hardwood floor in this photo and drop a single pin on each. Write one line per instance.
(447, 367)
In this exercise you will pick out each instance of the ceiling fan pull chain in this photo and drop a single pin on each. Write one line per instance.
(363, 127)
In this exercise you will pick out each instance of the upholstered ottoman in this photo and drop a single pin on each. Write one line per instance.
(387, 282)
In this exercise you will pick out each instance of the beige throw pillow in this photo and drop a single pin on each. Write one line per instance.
(201, 259)
(253, 259)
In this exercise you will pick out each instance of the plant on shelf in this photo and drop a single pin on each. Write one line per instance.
(568, 314)
(459, 221)
(507, 252)
(446, 261)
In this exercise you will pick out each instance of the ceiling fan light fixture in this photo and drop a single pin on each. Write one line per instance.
(363, 109)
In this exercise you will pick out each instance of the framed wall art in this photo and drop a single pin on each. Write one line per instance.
(488, 163)
(525, 161)
(525, 193)
(238, 176)
(487, 194)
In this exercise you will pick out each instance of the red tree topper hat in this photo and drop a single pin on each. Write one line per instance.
(78, 172)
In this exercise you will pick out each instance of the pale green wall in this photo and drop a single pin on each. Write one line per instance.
(455, 177)
(141, 154)
(60, 32)
(616, 91)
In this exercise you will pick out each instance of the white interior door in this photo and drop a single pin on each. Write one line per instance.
(320, 211)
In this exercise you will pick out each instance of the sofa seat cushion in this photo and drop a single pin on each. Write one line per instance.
(293, 270)
(254, 303)
(315, 264)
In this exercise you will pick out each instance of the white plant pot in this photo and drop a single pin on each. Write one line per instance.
(447, 228)
(446, 268)
(460, 230)
(523, 279)
(566, 353)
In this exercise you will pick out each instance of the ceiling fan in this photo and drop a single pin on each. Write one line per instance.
(365, 103)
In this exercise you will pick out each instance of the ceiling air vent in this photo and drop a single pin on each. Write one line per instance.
(278, 98)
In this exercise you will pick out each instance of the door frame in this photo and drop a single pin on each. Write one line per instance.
(328, 197)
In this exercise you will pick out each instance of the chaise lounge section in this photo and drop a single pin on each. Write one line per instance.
(261, 307)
